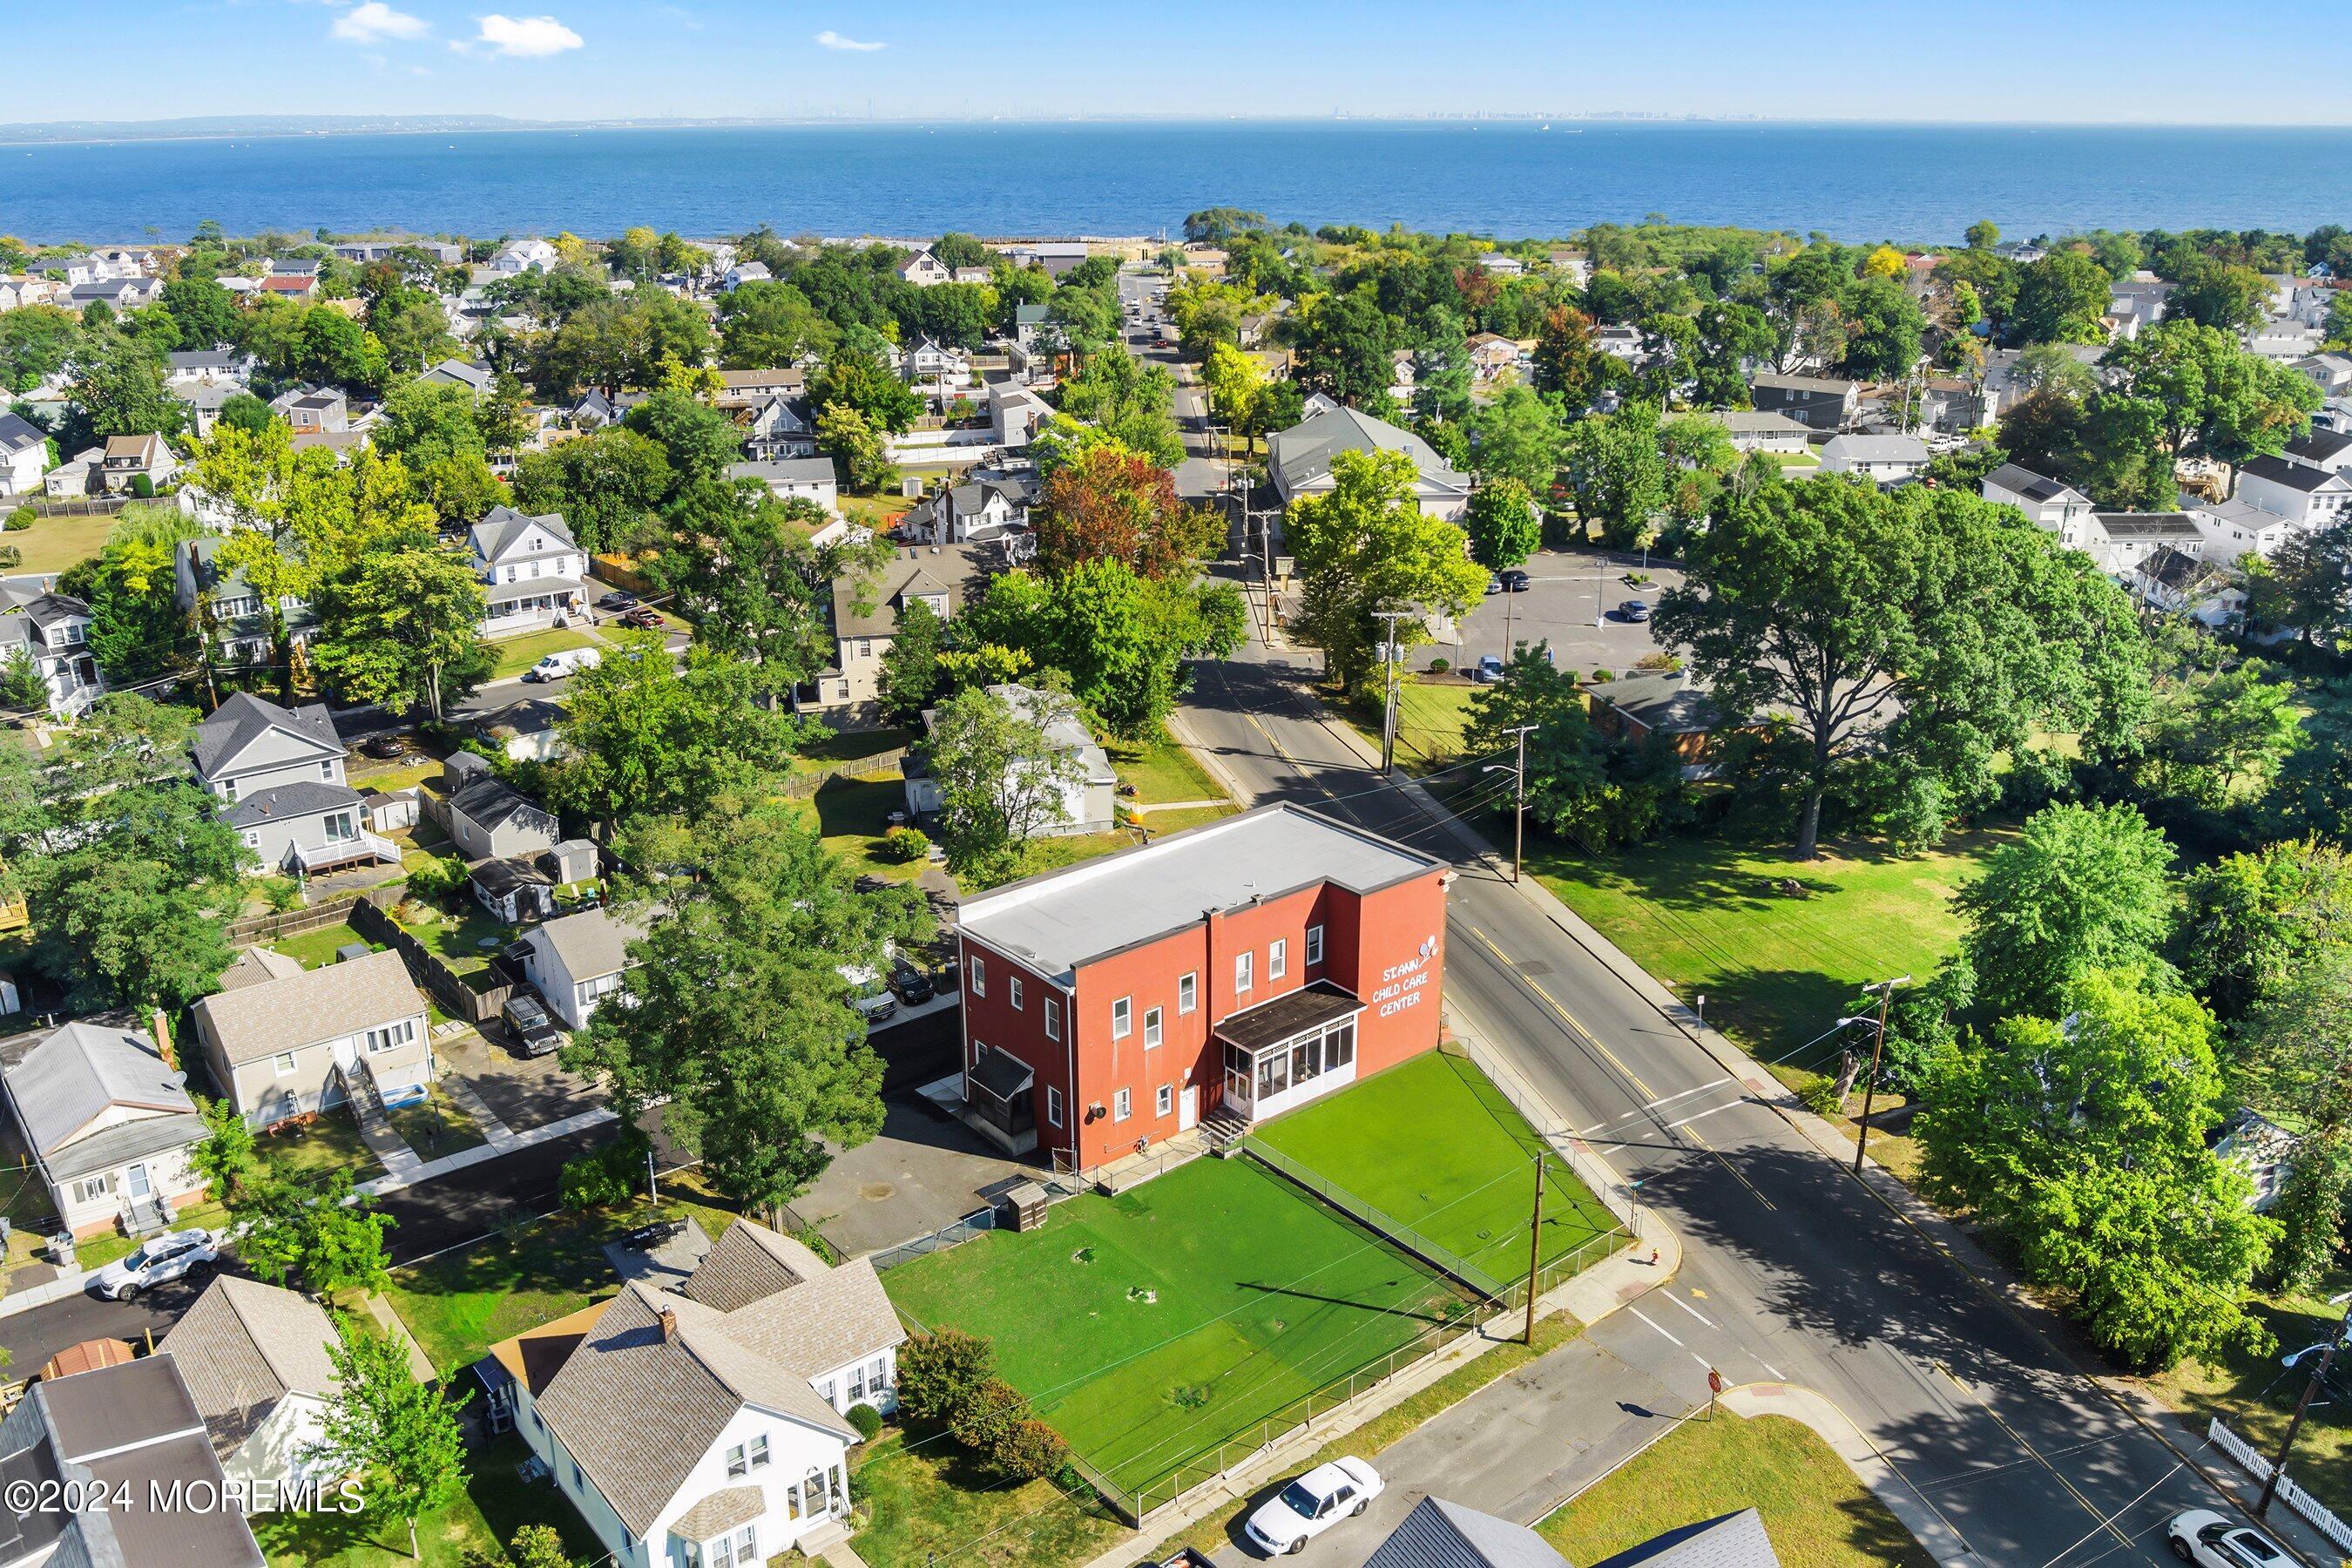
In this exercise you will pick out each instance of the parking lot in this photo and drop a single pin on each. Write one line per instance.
(1567, 594)
(922, 1172)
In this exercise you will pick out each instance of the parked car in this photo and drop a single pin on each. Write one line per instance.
(868, 992)
(569, 661)
(532, 1026)
(1515, 581)
(616, 600)
(385, 748)
(1312, 1504)
(1494, 584)
(158, 1260)
(2200, 1535)
(911, 986)
(642, 616)
(1490, 667)
(1634, 609)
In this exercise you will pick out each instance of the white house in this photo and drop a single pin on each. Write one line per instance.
(1299, 459)
(52, 629)
(986, 507)
(936, 369)
(2181, 584)
(286, 1041)
(744, 272)
(2119, 541)
(706, 1425)
(24, 454)
(2235, 527)
(476, 379)
(2299, 491)
(1882, 458)
(278, 775)
(1753, 432)
(576, 962)
(810, 479)
(255, 1358)
(233, 612)
(519, 256)
(1089, 799)
(532, 569)
(2322, 448)
(925, 271)
(106, 1119)
(2052, 505)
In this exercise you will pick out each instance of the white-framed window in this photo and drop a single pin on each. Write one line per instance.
(1053, 1019)
(90, 1188)
(391, 1036)
(1012, 991)
(1053, 1106)
(1313, 946)
(858, 1383)
(1122, 1018)
(740, 1549)
(1151, 1027)
(1165, 1101)
(1245, 967)
(1122, 1105)
(1187, 991)
(878, 1376)
(1277, 957)
(760, 1454)
(979, 976)
(739, 1462)
(327, 771)
(978, 1052)
(283, 1063)
(825, 1391)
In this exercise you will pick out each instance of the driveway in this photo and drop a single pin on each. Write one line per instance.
(523, 1091)
(1568, 590)
(922, 1172)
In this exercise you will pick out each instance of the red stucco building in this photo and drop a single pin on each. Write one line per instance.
(1245, 968)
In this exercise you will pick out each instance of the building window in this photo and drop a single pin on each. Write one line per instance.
(1187, 990)
(283, 1062)
(1151, 1027)
(737, 1463)
(1122, 1018)
(979, 976)
(857, 1383)
(91, 1188)
(1243, 963)
(1339, 1046)
(978, 1052)
(1013, 992)
(327, 771)
(1277, 957)
(1122, 1105)
(825, 1391)
(1053, 1019)
(1053, 1106)
(1313, 946)
(760, 1451)
(1165, 1100)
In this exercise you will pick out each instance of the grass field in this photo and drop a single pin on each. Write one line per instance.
(314, 947)
(1430, 717)
(461, 1304)
(832, 748)
(2256, 1396)
(471, 1530)
(1160, 770)
(1433, 1144)
(928, 1504)
(852, 815)
(1817, 1513)
(54, 543)
(1151, 1327)
(519, 654)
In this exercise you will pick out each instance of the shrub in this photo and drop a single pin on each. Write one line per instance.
(20, 520)
(1440, 665)
(1661, 663)
(867, 1420)
(905, 845)
(11, 556)
(1822, 1097)
(1031, 1449)
(142, 487)
(537, 1546)
(438, 878)
(939, 1372)
(280, 893)
(984, 1422)
(1601, 675)
(607, 1177)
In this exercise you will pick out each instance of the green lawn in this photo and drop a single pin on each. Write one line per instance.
(1153, 1327)
(461, 1304)
(1160, 770)
(470, 1530)
(455, 934)
(1817, 1513)
(519, 654)
(2256, 1396)
(1431, 1143)
(434, 1126)
(1430, 717)
(315, 948)
(832, 748)
(331, 1142)
(54, 543)
(852, 815)
(930, 1503)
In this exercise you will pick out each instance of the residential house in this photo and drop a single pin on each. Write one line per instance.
(1033, 329)
(1884, 460)
(1442, 1534)
(925, 271)
(2117, 541)
(203, 400)
(2006, 381)
(254, 1359)
(1236, 970)
(532, 569)
(1756, 431)
(1619, 342)
(973, 276)
(52, 629)
(525, 729)
(131, 1431)
(196, 366)
(2322, 448)
(2054, 506)
(747, 388)
(1404, 374)
(299, 287)
(2179, 583)
(744, 272)
(512, 889)
(2299, 491)
(735, 1447)
(810, 479)
(489, 819)
(2330, 371)
(115, 294)
(984, 507)
(130, 458)
(2284, 341)
(1057, 257)
(371, 250)
(1299, 459)
(80, 267)
(936, 369)
(77, 476)
(278, 775)
(232, 610)
(594, 411)
(866, 616)
(313, 410)
(475, 378)
(1493, 357)
(574, 962)
(24, 454)
(107, 1121)
(1016, 414)
(520, 255)
(1818, 402)
(2234, 527)
(1088, 798)
(288, 1043)
(2134, 303)
(1495, 264)
(1671, 706)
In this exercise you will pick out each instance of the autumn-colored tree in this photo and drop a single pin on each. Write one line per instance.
(1112, 501)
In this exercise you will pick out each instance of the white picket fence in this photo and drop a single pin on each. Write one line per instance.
(2319, 1518)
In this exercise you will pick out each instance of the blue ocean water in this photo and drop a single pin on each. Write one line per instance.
(1915, 182)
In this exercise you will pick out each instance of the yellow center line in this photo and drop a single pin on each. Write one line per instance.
(1982, 1403)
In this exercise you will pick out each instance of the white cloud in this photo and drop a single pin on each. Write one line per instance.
(833, 41)
(375, 21)
(524, 35)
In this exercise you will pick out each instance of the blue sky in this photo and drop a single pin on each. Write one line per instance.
(2151, 60)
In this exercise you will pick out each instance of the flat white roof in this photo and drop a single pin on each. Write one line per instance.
(1063, 919)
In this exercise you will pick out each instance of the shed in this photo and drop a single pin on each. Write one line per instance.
(573, 861)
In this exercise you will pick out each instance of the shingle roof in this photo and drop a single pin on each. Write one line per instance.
(1302, 453)
(1877, 448)
(959, 571)
(63, 1081)
(2321, 445)
(258, 966)
(326, 1003)
(17, 433)
(748, 1263)
(728, 1509)
(786, 471)
(823, 1324)
(2147, 524)
(2286, 472)
(245, 1345)
(592, 943)
(1440, 1534)
(503, 525)
(285, 803)
(494, 803)
(1729, 1540)
(244, 719)
(2033, 486)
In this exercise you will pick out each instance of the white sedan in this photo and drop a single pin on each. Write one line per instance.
(1312, 1504)
(156, 1260)
(2200, 1535)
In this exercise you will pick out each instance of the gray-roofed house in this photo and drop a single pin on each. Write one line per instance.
(866, 616)
(488, 818)
(1752, 430)
(52, 629)
(1884, 460)
(308, 1041)
(1299, 459)
(1672, 705)
(475, 378)
(532, 569)
(24, 454)
(735, 1445)
(2322, 449)
(279, 774)
(1727, 1541)
(1089, 799)
(576, 962)
(2178, 582)
(254, 1357)
(233, 610)
(2299, 491)
(984, 507)
(108, 1123)
(131, 1427)
(810, 479)
(1818, 402)
(128, 459)
(2050, 503)
(1442, 1534)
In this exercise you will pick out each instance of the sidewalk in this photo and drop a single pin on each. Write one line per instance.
(67, 1285)
(418, 1171)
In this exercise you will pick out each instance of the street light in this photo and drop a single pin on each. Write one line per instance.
(2318, 1376)
(1886, 989)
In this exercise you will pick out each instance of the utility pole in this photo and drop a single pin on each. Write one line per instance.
(1886, 989)
(2319, 1377)
(1520, 804)
(1388, 662)
(1535, 1249)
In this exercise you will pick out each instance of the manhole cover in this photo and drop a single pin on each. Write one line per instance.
(875, 1192)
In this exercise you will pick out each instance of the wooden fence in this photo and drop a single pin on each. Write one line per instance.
(800, 786)
(254, 929)
(449, 993)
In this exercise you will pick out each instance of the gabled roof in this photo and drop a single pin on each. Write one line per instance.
(68, 1079)
(503, 525)
(2033, 486)
(2147, 524)
(18, 433)
(1728, 1540)
(1877, 448)
(1804, 385)
(958, 571)
(478, 377)
(592, 943)
(244, 719)
(749, 1263)
(243, 1347)
(287, 802)
(1440, 1534)
(2321, 446)
(2291, 474)
(491, 803)
(324, 1004)
(1302, 454)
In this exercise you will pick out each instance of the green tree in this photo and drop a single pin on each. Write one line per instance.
(226, 1156)
(1883, 328)
(608, 486)
(2303, 584)
(2220, 296)
(118, 390)
(1982, 235)
(761, 591)
(1568, 364)
(2251, 922)
(401, 625)
(399, 1436)
(647, 737)
(910, 676)
(1611, 466)
(538, 1546)
(2296, 1067)
(697, 441)
(765, 324)
(2082, 1145)
(1001, 779)
(22, 688)
(1343, 344)
(1365, 545)
(36, 342)
(1502, 524)
(2081, 889)
(1580, 784)
(2215, 399)
(2060, 299)
(1515, 436)
(860, 453)
(857, 377)
(204, 313)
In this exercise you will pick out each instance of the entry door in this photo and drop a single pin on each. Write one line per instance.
(1188, 1107)
(140, 1186)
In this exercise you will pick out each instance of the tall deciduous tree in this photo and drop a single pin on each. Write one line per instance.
(401, 625)
(2082, 887)
(1502, 524)
(1580, 784)
(2060, 299)
(1364, 546)
(399, 1436)
(2215, 399)
(645, 737)
(1003, 780)
(1112, 503)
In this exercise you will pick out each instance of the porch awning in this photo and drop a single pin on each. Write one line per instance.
(1001, 1075)
(1271, 1023)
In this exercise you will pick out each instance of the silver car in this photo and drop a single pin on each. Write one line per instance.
(158, 1260)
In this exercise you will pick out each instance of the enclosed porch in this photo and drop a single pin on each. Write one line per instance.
(1284, 1053)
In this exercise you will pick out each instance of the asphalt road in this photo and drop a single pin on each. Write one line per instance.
(1792, 1271)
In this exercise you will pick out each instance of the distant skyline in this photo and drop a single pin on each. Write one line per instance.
(1993, 61)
